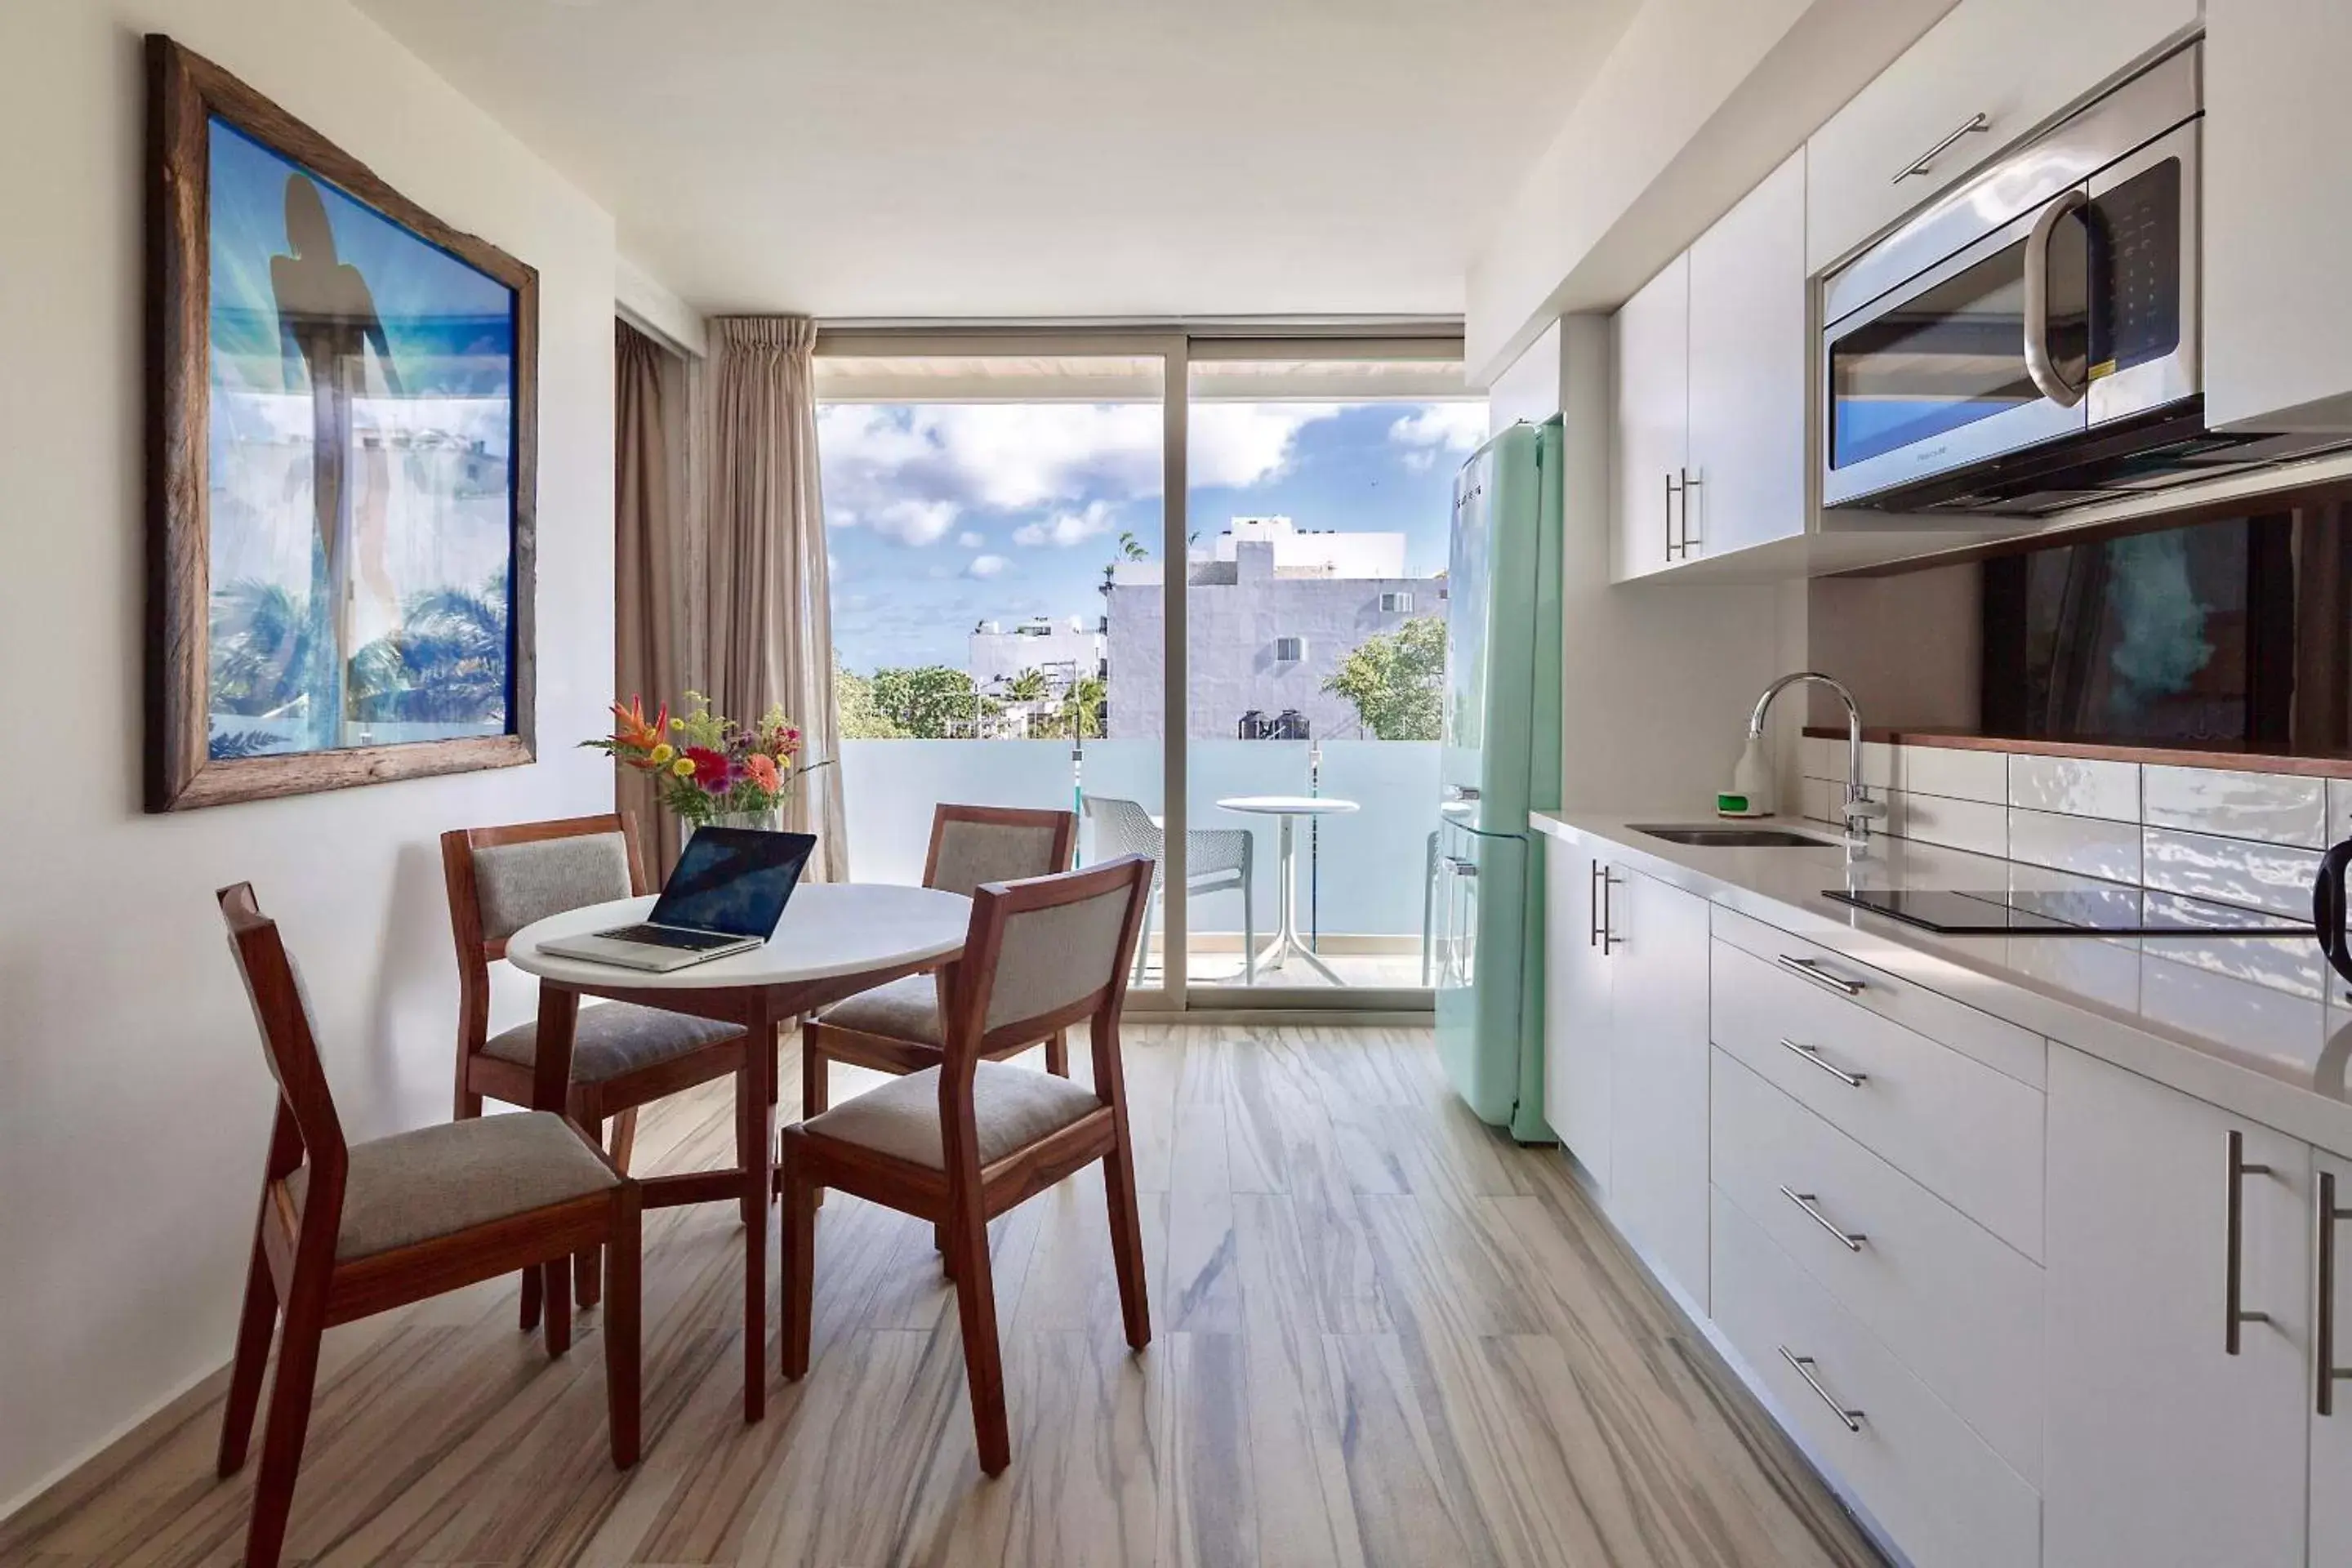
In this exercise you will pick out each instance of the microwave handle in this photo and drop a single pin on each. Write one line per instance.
(2038, 363)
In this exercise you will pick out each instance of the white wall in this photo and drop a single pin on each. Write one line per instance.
(133, 1099)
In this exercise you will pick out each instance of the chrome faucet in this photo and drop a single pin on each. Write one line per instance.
(1859, 809)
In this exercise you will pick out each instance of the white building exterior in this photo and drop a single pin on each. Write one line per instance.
(1271, 614)
(1064, 650)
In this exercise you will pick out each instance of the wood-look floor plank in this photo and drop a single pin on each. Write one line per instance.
(1384, 1335)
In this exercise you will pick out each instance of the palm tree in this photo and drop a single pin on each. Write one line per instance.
(1028, 687)
(445, 663)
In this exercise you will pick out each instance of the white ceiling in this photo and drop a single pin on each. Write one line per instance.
(992, 158)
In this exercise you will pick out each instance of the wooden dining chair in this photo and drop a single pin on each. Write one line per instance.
(500, 880)
(961, 1142)
(349, 1230)
(896, 1028)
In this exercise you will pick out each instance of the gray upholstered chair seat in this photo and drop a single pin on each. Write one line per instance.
(615, 1037)
(1013, 1108)
(437, 1181)
(906, 1009)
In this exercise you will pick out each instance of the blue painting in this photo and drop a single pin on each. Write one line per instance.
(360, 471)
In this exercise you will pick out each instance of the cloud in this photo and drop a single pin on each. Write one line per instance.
(971, 539)
(984, 566)
(1437, 430)
(913, 522)
(892, 467)
(1065, 529)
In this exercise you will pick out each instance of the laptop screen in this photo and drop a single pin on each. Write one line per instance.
(733, 879)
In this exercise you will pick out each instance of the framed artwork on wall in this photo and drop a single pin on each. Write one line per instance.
(342, 464)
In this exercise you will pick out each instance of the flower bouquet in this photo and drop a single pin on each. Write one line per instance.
(707, 768)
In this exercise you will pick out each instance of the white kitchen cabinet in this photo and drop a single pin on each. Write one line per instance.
(2331, 1435)
(1653, 426)
(2163, 1449)
(1577, 975)
(2018, 64)
(1749, 351)
(1658, 1083)
(2278, 202)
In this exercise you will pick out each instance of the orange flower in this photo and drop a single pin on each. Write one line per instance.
(762, 769)
(630, 729)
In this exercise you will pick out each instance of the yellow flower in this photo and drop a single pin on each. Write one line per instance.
(683, 767)
(662, 752)
(678, 723)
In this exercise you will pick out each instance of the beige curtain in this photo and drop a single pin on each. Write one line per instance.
(770, 627)
(648, 545)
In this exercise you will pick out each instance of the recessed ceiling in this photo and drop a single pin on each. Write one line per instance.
(1014, 158)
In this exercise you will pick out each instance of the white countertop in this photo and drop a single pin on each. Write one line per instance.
(2259, 1026)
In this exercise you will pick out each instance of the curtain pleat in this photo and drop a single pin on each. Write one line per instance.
(771, 621)
(648, 545)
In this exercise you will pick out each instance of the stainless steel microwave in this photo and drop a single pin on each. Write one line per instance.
(2028, 343)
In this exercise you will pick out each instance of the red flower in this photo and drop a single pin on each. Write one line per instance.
(709, 768)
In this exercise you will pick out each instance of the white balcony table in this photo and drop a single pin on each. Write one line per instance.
(1288, 808)
(835, 939)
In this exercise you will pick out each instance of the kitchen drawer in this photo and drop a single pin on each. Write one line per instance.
(1944, 1496)
(1999, 1045)
(1958, 1307)
(1966, 1133)
(2020, 63)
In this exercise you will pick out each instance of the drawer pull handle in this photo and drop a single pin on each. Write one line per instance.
(1814, 1054)
(1810, 969)
(2234, 1242)
(1811, 1204)
(1978, 123)
(2323, 1336)
(1804, 1365)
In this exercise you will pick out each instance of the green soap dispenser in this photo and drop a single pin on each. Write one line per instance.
(1750, 794)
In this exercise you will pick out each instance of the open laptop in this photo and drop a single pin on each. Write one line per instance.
(727, 893)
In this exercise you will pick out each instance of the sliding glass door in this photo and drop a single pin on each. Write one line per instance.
(1193, 588)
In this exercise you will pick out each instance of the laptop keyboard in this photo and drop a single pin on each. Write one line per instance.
(670, 936)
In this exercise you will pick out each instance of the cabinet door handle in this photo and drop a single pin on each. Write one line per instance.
(2233, 1310)
(1811, 1204)
(1814, 1054)
(1685, 543)
(1673, 489)
(2324, 1333)
(1592, 938)
(1811, 968)
(1609, 937)
(1804, 1365)
(1977, 123)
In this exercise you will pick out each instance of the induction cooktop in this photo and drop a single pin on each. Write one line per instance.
(2087, 911)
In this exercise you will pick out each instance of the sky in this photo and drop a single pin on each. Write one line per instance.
(939, 516)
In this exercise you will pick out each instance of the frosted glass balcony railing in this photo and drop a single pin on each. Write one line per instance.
(1360, 875)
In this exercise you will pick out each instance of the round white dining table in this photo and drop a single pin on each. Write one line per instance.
(835, 939)
(1289, 808)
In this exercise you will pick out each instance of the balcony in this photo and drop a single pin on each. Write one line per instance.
(1360, 876)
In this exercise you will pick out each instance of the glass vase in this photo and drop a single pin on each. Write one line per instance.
(771, 820)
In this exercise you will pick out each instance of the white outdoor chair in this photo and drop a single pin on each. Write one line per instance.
(1216, 860)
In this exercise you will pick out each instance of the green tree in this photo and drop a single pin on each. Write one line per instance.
(1029, 686)
(1131, 548)
(1396, 681)
(1079, 714)
(445, 662)
(853, 701)
(931, 702)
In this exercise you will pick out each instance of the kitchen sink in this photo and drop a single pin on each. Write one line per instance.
(1736, 837)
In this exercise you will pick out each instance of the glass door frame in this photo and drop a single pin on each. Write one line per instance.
(1176, 347)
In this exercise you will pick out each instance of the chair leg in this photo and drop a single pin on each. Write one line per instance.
(254, 1327)
(624, 1351)
(533, 1287)
(816, 1082)
(1126, 1243)
(625, 1137)
(588, 1263)
(289, 1424)
(983, 1360)
(943, 1243)
(558, 1272)
(1058, 1054)
(797, 1260)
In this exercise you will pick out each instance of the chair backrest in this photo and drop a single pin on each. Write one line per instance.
(502, 878)
(972, 845)
(1044, 953)
(306, 1123)
(1124, 827)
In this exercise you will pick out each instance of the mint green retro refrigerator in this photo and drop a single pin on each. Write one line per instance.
(1500, 760)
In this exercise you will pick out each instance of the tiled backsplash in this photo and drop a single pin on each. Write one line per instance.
(2243, 837)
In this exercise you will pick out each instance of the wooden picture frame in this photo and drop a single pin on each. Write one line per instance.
(185, 765)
